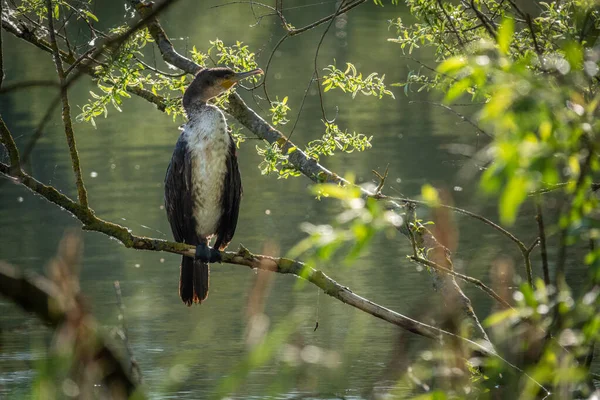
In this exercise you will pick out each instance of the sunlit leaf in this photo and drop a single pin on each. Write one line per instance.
(505, 34)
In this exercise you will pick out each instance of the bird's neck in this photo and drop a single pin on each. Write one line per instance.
(195, 108)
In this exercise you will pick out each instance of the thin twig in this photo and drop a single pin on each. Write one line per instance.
(460, 41)
(488, 25)
(11, 147)
(66, 111)
(340, 11)
(466, 278)
(478, 217)
(461, 116)
(268, 65)
(156, 70)
(39, 130)
(382, 179)
(542, 234)
(15, 86)
(312, 79)
(316, 58)
(80, 60)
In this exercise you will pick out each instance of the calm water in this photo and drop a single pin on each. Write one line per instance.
(188, 352)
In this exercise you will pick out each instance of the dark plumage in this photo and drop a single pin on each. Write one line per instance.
(203, 185)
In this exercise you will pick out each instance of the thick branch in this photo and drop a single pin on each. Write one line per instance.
(41, 296)
(242, 257)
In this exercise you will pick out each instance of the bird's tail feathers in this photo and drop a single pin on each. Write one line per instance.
(193, 281)
(201, 272)
(186, 280)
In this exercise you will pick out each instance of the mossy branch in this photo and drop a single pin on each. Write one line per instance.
(242, 257)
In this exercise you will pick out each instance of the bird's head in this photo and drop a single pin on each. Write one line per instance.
(211, 82)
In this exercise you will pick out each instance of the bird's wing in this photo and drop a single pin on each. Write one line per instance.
(232, 195)
(178, 195)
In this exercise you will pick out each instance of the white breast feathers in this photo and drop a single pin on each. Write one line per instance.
(208, 145)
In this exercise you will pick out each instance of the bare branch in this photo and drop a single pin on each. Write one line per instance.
(342, 10)
(478, 217)
(461, 116)
(27, 84)
(466, 278)
(66, 111)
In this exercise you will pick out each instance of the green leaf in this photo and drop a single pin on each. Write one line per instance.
(452, 65)
(513, 196)
(457, 90)
(90, 15)
(430, 195)
(505, 34)
(500, 316)
(573, 54)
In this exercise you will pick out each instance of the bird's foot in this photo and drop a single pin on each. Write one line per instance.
(207, 254)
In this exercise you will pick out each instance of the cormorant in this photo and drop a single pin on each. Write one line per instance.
(203, 187)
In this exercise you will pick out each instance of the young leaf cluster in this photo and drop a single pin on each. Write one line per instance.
(351, 81)
(279, 110)
(334, 139)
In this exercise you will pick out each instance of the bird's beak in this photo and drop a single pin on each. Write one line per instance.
(239, 76)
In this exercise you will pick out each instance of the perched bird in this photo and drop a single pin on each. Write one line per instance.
(203, 187)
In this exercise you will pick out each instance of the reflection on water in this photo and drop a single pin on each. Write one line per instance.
(193, 352)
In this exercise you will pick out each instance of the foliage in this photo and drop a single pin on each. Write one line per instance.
(352, 81)
(279, 110)
(355, 226)
(333, 140)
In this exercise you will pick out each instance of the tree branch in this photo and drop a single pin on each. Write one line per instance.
(525, 251)
(466, 278)
(66, 110)
(41, 296)
(343, 10)
(241, 257)
(11, 147)
(110, 43)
